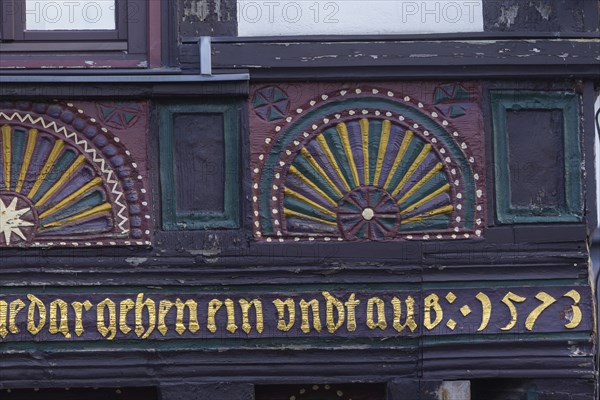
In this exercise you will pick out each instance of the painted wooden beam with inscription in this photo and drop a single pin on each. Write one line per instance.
(406, 312)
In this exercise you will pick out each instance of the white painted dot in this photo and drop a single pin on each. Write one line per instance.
(325, 97)
(277, 222)
(453, 171)
(143, 190)
(478, 208)
(256, 213)
(401, 117)
(476, 176)
(312, 102)
(439, 236)
(365, 112)
(390, 94)
(104, 130)
(116, 139)
(375, 91)
(368, 214)
(261, 157)
(281, 163)
(140, 177)
(358, 91)
(256, 170)
(343, 92)
(458, 219)
(478, 221)
(459, 195)
(296, 239)
(299, 110)
(463, 146)
(443, 151)
(471, 160)
(453, 236)
(409, 237)
(274, 198)
(325, 120)
(327, 239)
(467, 235)
(258, 233)
(445, 123)
(338, 116)
(268, 140)
(255, 186)
(378, 113)
(420, 105)
(127, 152)
(388, 114)
(305, 134)
(277, 128)
(456, 229)
(456, 182)
(448, 160)
(275, 187)
(269, 240)
(288, 152)
(144, 203)
(479, 193)
(257, 224)
(351, 112)
(459, 206)
(80, 111)
(277, 176)
(478, 232)
(406, 98)
(434, 114)
(426, 237)
(281, 240)
(314, 127)
(254, 199)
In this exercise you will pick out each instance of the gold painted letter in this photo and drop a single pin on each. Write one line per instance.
(64, 318)
(381, 322)
(246, 305)
(410, 314)
(140, 304)
(314, 305)
(281, 307)
(110, 331)
(432, 302)
(35, 304)
(332, 326)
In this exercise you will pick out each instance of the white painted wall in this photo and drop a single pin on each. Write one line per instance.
(357, 17)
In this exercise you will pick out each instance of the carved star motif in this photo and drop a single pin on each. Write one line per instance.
(11, 221)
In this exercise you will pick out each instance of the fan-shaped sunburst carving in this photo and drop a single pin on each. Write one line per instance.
(48, 189)
(366, 179)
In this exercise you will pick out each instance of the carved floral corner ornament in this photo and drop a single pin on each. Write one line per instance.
(367, 163)
(66, 180)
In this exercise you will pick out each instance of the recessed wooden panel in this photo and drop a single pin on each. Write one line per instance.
(199, 165)
(537, 156)
(199, 161)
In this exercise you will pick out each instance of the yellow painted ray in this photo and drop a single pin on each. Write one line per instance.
(443, 189)
(304, 199)
(27, 158)
(437, 168)
(294, 171)
(63, 179)
(364, 129)
(291, 213)
(79, 192)
(383, 142)
(6, 154)
(325, 147)
(416, 164)
(88, 213)
(309, 157)
(430, 214)
(408, 136)
(52, 157)
(343, 133)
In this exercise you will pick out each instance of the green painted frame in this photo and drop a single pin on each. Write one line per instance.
(568, 103)
(229, 218)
